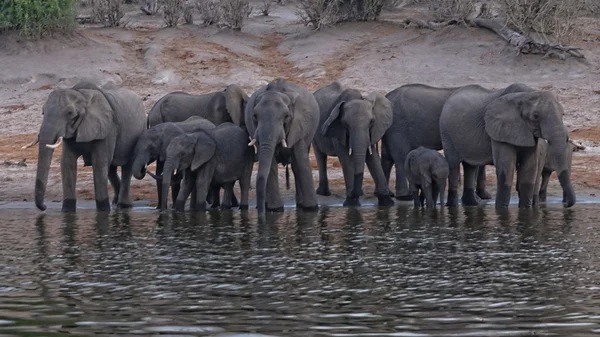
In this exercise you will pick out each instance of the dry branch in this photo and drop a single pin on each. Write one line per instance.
(525, 45)
(427, 24)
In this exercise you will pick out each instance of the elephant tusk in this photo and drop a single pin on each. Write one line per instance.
(284, 143)
(252, 142)
(370, 150)
(30, 144)
(54, 146)
(350, 152)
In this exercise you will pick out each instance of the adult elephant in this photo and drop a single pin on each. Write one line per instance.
(100, 124)
(350, 126)
(222, 106)
(502, 127)
(282, 118)
(416, 110)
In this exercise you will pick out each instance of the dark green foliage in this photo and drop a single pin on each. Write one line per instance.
(36, 18)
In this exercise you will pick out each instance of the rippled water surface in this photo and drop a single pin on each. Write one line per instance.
(336, 272)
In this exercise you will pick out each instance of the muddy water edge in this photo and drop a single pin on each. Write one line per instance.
(336, 272)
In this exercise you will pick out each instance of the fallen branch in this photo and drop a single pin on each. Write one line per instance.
(525, 45)
(15, 163)
(577, 146)
(427, 24)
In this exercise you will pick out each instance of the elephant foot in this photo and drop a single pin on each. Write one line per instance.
(275, 209)
(122, 205)
(103, 205)
(244, 207)
(200, 207)
(310, 208)
(179, 206)
(543, 197)
(69, 205)
(469, 198)
(225, 206)
(452, 199)
(323, 191)
(385, 200)
(483, 194)
(351, 202)
(215, 206)
(403, 197)
(234, 201)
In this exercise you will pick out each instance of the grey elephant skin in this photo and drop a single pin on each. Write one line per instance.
(350, 126)
(100, 124)
(501, 127)
(282, 119)
(427, 172)
(218, 107)
(152, 146)
(217, 156)
(416, 110)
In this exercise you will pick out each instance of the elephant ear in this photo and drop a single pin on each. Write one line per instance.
(294, 131)
(235, 102)
(333, 128)
(204, 150)
(96, 117)
(505, 121)
(382, 111)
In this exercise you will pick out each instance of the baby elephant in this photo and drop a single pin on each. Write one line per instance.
(218, 156)
(427, 170)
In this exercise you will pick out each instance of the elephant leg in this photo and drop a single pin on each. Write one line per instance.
(124, 192)
(115, 182)
(505, 159)
(428, 191)
(234, 200)
(481, 191)
(297, 184)
(323, 188)
(274, 203)
(469, 198)
(203, 177)
(381, 186)
(544, 185)
(100, 167)
(215, 195)
(399, 156)
(436, 192)
(414, 190)
(159, 171)
(387, 162)
(193, 195)
(188, 182)
(227, 195)
(348, 173)
(421, 196)
(301, 161)
(526, 172)
(68, 172)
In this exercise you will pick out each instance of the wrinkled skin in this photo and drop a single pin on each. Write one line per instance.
(152, 146)
(416, 109)
(349, 128)
(427, 171)
(484, 127)
(216, 156)
(100, 124)
(218, 107)
(282, 119)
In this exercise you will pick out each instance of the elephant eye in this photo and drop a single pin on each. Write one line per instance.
(254, 118)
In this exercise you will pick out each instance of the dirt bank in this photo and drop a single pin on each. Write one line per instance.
(383, 55)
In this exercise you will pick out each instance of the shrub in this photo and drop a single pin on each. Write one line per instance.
(188, 13)
(458, 10)
(265, 7)
(210, 11)
(233, 13)
(322, 12)
(150, 7)
(109, 12)
(172, 11)
(36, 18)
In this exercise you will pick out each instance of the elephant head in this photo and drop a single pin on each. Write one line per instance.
(358, 123)
(189, 151)
(520, 118)
(152, 145)
(80, 114)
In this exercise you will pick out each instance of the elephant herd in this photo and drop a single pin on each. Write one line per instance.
(204, 143)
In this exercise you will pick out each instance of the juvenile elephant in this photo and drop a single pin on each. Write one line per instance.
(100, 124)
(350, 126)
(416, 111)
(484, 127)
(218, 107)
(216, 156)
(152, 146)
(282, 119)
(427, 171)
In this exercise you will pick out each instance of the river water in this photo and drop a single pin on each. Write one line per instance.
(337, 272)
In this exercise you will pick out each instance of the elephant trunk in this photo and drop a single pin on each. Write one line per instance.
(139, 166)
(169, 167)
(41, 177)
(266, 152)
(359, 144)
(557, 150)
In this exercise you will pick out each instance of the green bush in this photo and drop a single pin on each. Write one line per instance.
(36, 18)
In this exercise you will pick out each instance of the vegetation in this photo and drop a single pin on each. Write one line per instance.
(322, 12)
(37, 18)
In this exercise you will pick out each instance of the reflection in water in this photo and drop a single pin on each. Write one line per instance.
(336, 272)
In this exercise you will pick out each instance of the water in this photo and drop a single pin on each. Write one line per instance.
(337, 272)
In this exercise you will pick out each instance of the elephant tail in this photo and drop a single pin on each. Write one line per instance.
(287, 176)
